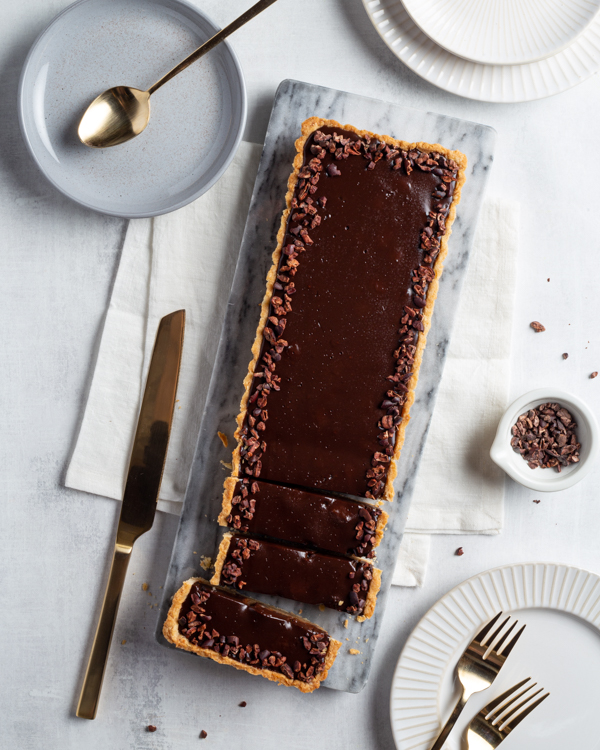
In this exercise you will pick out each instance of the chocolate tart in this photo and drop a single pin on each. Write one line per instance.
(248, 635)
(348, 303)
(334, 524)
(304, 575)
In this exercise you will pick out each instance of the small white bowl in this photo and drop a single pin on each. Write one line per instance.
(547, 480)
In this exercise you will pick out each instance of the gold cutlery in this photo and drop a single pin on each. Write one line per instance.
(496, 721)
(479, 665)
(122, 112)
(141, 492)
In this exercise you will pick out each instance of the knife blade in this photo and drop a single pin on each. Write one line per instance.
(142, 487)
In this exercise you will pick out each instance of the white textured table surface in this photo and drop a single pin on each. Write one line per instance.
(57, 264)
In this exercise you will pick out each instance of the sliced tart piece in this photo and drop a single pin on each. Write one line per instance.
(248, 635)
(334, 524)
(264, 567)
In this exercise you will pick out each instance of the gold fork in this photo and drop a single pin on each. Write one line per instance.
(478, 666)
(496, 721)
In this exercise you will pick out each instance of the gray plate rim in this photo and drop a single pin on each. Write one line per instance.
(21, 99)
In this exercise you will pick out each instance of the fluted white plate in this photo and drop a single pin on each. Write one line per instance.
(488, 83)
(503, 32)
(559, 649)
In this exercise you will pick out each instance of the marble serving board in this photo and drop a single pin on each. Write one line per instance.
(199, 535)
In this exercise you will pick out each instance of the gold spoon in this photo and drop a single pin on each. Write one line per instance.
(121, 113)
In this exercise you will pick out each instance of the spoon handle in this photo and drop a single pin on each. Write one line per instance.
(213, 41)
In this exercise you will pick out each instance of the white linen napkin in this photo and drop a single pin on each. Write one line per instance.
(186, 259)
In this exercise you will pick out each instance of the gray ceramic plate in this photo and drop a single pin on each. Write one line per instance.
(197, 118)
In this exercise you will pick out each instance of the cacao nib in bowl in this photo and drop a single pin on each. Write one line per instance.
(547, 479)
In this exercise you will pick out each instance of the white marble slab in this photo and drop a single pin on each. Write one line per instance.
(199, 533)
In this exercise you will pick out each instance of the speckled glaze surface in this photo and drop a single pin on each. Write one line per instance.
(196, 122)
(199, 535)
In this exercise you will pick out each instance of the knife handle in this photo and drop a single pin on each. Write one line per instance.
(92, 683)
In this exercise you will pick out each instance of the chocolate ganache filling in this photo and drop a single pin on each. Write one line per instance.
(338, 350)
(252, 633)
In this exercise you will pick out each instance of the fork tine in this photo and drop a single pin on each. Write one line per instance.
(511, 724)
(498, 646)
(513, 709)
(509, 706)
(509, 647)
(501, 698)
(486, 628)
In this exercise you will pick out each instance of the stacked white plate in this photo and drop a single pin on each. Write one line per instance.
(493, 50)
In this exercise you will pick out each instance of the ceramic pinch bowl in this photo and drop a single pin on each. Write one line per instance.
(547, 480)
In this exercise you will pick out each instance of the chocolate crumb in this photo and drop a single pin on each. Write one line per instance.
(151, 728)
(537, 502)
(460, 552)
(243, 704)
(565, 355)
(594, 375)
(537, 327)
(203, 735)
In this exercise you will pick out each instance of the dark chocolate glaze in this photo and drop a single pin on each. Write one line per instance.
(351, 288)
(251, 633)
(304, 575)
(311, 519)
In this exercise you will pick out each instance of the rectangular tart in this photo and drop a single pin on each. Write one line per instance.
(304, 575)
(334, 524)
(248, 635)
(348, 304)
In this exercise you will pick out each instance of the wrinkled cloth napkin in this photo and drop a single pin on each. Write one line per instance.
(187, 259)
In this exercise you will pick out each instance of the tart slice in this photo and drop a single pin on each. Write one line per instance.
(334, 524)
(248, 635)
(264, 567)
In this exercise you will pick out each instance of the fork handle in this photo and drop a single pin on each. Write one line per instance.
(443, 735)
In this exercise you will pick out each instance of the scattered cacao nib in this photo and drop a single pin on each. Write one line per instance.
(460, 552)
(594, 375)
(537, 502)
(537, 327)
(243, 704)
(546, 437)
(151, 728)
(203, 734)
(565, 355)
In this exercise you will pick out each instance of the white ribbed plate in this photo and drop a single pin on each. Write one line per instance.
(559, 649)
(503, 32)
(487, 83)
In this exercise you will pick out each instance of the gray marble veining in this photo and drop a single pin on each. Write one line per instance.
(199, 533)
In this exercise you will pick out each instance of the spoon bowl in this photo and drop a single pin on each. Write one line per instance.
(116, 116)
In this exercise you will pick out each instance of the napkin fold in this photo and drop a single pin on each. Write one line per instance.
(187, 259)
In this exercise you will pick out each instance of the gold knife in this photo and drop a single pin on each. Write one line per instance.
(141, 491)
